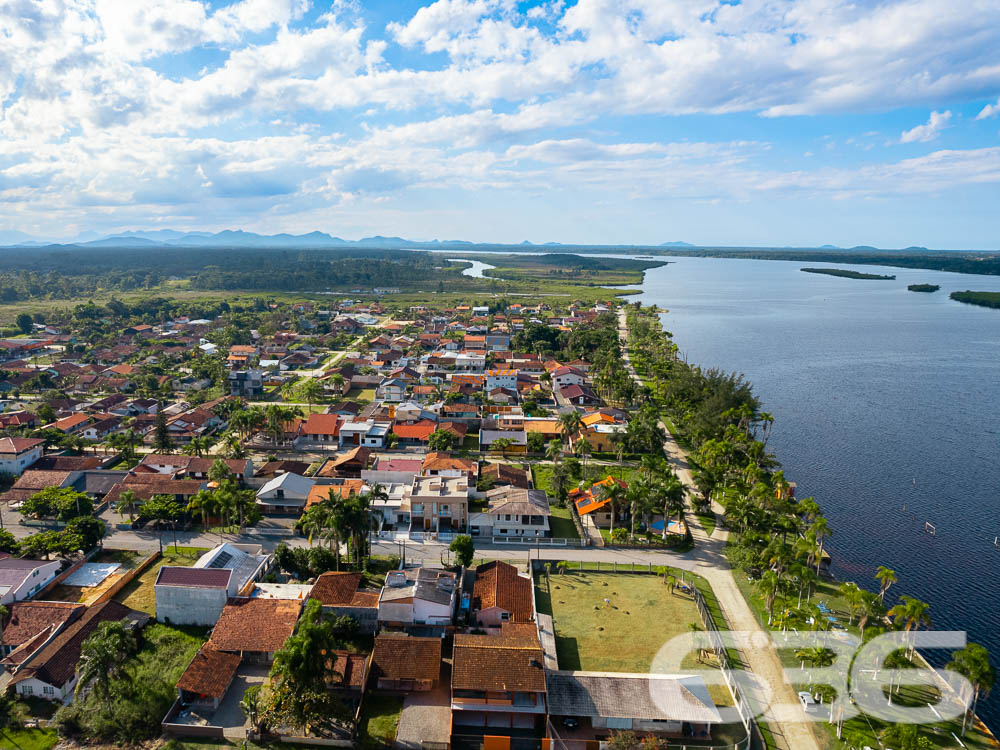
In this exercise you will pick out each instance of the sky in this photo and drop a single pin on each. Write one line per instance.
(725, 122)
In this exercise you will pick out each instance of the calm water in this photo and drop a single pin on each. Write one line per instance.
(883, 399)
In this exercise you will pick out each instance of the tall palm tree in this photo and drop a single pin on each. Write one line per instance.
(571, 423)
(853, 596)
(198, 446)
(973, 663)
(127, 501)
(102, 658)
(770, 586)
(871, 609)
(885, 577)
(205, 503)
(614, 493)
(912, 613)
(553, 451)
(312, 391)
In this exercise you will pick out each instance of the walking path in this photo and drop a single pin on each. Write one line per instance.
(786, 719)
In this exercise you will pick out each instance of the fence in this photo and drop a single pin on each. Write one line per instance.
(127, 578)
(754, 738)
(541, 541)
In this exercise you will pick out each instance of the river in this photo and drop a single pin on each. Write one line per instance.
(887, 411)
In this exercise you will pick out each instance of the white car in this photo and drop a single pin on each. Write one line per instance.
(809, 704)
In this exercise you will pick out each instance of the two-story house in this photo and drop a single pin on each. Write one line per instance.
(438, 504)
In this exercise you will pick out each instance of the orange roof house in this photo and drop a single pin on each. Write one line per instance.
(592, 499)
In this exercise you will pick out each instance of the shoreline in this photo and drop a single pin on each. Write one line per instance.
(678, 456)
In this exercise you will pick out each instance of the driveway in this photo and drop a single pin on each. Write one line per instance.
(426, 717)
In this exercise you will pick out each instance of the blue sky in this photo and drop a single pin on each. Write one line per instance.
(762, 122)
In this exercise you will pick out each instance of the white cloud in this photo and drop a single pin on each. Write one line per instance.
(928, 131)
(990, 110)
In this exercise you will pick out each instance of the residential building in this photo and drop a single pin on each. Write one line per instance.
(17, 454)
(592, 501)
(368, 433)
(207, 678)
(338, 593)
(246, 383)
(22, 579)
(406, 663)
(198, 594)
(50, 672)
(505, 475)
(319, 430)
(498, 683)
(674, 706)
(26, 621)
(255, 628)
(514, 511)
(418, 596)
(286, 493)
(438, 504)
(500, 378)
(500, 594)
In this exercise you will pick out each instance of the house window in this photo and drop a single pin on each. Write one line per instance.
(49, 690)
(504, 616)
(27, 690)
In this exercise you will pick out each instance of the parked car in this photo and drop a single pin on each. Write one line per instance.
(809, 704)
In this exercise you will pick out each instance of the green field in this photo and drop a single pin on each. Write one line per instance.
(623, 636)
(542, 473)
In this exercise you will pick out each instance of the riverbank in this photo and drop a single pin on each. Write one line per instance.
(757, 598)
(982, 299)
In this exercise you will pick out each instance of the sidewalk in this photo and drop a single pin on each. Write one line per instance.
(787, 721)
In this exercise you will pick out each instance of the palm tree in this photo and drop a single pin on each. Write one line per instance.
(672, 491)
(614, 493)
(870, 608)
(198, 446)
(913, 613)
(973, 663)
(102, 658)
(553, 451)
(770, 585)
(234, 447)
(583, 448)
(885, 577)
(312, 391)
(502, 445)
(205, 503)
(127, 501)
(571, 423)
(853, 596)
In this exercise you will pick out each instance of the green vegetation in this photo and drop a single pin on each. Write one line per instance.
(983, 299)
(561, 523)
(846, 274)
(28, 739)
(379, 721)
(623, 636)
(139, 593)
(923, 287)
(138, 690)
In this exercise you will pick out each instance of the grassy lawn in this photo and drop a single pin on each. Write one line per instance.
(542, 472)
(356, 394)
(379, 720)
(28, 739)
(139, 594)
(623, 636)
(562, 524)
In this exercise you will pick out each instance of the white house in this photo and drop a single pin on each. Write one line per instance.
(368, 433)
(196, 595)
(286, 493)
(418, 596)
(501, 378)
(22, 579)
(17, 454)
(564, 376)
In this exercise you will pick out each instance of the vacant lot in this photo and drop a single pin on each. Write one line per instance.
(139, 594)
(622, 635)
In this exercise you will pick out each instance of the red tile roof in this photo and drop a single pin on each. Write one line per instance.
(28, 619)
(403, 657)
(322, 424)
(335, 588)
(420, 431)
(210, 673)
(255, 625)
(498, 584)
(510, 661)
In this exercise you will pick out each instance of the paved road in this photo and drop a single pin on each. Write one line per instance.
(786, 718)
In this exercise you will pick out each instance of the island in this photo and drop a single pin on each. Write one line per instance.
(847, 274)
(983, 299)
(923, 287)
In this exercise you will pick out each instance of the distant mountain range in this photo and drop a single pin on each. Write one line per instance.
(236, 238)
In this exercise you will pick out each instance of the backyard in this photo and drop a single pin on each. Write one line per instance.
(561, 522)
(379, 721)
(139, 594)
(620, 635)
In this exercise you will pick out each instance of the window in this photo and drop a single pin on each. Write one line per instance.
(504, 616)
(49, 690)
(27, 690)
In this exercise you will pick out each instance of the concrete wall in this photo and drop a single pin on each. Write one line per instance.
(367, 617)
(37, 689)
(395, 612)
(112, 591)
(188, 605)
